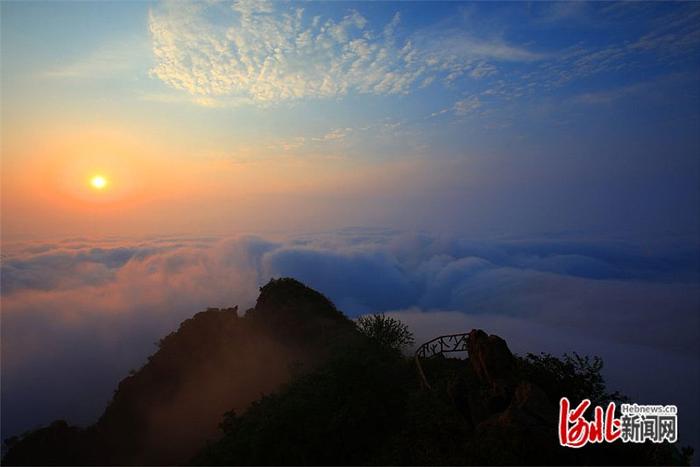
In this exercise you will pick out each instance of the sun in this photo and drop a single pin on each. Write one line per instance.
(98, 182)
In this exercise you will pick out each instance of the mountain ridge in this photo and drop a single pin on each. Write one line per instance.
(294, 381)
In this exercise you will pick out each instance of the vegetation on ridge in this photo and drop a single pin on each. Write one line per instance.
(294, 381)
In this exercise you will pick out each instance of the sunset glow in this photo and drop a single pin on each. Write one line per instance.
(98, 182)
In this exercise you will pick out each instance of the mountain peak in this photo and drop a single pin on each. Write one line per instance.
(287, 299)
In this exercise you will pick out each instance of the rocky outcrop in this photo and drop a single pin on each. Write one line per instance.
(491, 359)
(510, 408)
(505, 411)
(494, 365)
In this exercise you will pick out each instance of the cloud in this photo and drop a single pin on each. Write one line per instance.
(662, 42)
(466, 106)
(676, 33)
(93, 309)
(337, 134)
(482, 70)
(562, 11)
(266, 53)
(220, 55)
(612, 95)
(461, 107)
(353, 138)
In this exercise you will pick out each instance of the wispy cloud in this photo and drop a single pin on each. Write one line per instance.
(665, 41)
(461, 107)
(610, 95)
(337, 134)
(552, 12)
(344, 137)
(467, 105)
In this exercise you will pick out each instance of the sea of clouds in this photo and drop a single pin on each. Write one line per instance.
(78, 314)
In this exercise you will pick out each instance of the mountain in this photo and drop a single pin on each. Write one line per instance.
(216, 361)
(293, 381)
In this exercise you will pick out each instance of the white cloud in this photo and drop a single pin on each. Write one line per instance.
(460, 108)
(268, 53)
(482, 70)
(337, 134)
(467, 105)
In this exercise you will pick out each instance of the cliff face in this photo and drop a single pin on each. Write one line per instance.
(294, 382)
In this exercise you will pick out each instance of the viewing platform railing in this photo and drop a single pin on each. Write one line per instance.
(440, 345)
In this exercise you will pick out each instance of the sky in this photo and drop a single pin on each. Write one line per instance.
(529, 168)
(476, 117)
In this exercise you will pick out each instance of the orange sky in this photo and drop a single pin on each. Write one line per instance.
(153, 186)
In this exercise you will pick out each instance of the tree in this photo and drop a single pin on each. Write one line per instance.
(574, 376)
(386, 330)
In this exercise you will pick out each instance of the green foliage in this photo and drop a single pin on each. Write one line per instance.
(342, 413)
(433, 433)
(574, 376)
(56, 444)
(388, 331)
(365, 407)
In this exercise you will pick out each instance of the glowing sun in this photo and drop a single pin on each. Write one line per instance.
(98, 182)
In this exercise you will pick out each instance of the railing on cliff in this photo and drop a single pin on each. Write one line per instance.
(440, 345)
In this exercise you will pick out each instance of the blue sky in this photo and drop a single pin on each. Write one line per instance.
(517, 116)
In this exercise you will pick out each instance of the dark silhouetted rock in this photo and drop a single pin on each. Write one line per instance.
(491, 359)
(494, 365)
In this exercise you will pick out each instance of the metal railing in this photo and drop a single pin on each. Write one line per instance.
(440, 345)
